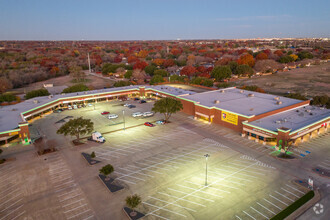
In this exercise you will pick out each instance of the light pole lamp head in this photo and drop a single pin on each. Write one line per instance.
(206, 156)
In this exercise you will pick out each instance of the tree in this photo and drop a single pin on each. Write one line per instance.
(76, 127)
(262, 56)
(169, 62)
(221, 73)
(5, 84)
(286, 59)
(128, 74)
(159, 62)
(188, 71)
(106, 171)
(163, 73)
(150, 69)
(122, 83)
(156, 79)
(233, 66)
(140, 65)
(167, 106)
(295, 96)
(93, 155)
(176, 78)
(279, 53)
(244, 69)
(294, 56)
(305, 55)
(77, 73)
(132, 202)
(246, 59)
(36, 93)
(139, 75)
(76, 88)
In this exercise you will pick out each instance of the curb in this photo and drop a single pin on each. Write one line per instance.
(305, 207)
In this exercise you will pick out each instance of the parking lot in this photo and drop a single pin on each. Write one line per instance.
(164, 164)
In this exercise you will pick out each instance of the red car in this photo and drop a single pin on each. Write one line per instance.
(149, 124)
(105, 113)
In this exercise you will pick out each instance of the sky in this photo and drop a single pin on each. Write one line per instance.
(162, 19)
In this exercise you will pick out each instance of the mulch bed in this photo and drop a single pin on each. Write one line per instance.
(46, 151)
(321, 172)
(89, 159)
(285, 156)
(108, 183)
(128, 211)
(77, 143)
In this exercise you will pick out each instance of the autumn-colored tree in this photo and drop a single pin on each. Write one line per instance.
(158, 62)
(175, 51)
(278, 53)
(132, 59)
(246, 59)
(117, 59)
(223, 61)
(168, 63)
(142, 53)
(5, 84)
(188, 71)
(139, 76)
(294, 56)
(267, 51)
(140, 65)
(262, 56)
(201, 69)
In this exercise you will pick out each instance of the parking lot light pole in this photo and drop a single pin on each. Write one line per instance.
(124, 118)
(206, 156)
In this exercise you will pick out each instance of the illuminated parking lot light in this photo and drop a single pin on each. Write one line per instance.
(206, 156)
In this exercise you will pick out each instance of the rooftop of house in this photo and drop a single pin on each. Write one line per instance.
(241, 102)
(293, 119)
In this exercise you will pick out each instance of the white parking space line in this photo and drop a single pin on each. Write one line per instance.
(11, 199)
(249, 215)
(19, 215)
(71, 197)
(284, 196)
(278, 200)
(195, 203)
(266, 208)
(238, 217)
(173, 204)
(11, 212)
(188, 194)
(161, 208)
(273, 204)
(155, 166)
(231, 181)
(75, 208)
(130, 176)
(60, 190)
(232, 176)
(76, 201)
(72, 191)
(209, 187)
(199, 191)
(89, 217)
(140, 173)
(290, 192)
(258, 212)
(11, 205)
(295, 189)
(9, 188)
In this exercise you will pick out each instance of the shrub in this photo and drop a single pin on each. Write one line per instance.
(176, 78)
(156, 79)
(76, 88)
(295, 96)
(163, 73)
(128, 74)
(122, 83)
(36, 93)
(202, 81)
(224, 85)
(7, 97)
(253, 88)
(93, 154)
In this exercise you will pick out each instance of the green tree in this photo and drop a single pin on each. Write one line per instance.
(221, 72)
(93, 155)
(77, 73)
(176, 78)
(132, 202)
(286, 59)
(76, 127)
(128, 74)
(163, 73)
(106, 171)
(76, 88)
(156, 79)
(305, 55)
(7, 97)
(150, 69)
(36, 93)
(233, 66)
(244, 69)
(295, 96)
(167, 106)
(122, 83)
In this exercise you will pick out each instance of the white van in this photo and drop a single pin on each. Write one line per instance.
(69, 107)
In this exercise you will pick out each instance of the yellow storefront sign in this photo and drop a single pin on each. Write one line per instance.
(13, 133)
(229, 117)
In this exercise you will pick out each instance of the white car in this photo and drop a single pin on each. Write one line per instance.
(75, 107)
(90, 105)
(147, 114)
(69, 107)
(137, 114)
(112, 116)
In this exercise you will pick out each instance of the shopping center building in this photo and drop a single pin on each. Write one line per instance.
(263, 117)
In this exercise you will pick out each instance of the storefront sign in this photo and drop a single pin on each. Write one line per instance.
(229, 117)
(13, 133)
(260, 131)
(302, 131)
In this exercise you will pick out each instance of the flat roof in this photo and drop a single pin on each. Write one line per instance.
(242, 102)
(293, 119)
(10, 115)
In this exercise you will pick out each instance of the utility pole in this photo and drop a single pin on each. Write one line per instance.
(206, 156)
(89, 63)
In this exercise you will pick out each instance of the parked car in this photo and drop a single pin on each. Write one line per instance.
(143, 101)
(69, 107)
(148, 114)
(75, 107)
(137, 114)
(90, 105)
(149, 124)
(136, 99)
(126, 104)
(105, 113)
(131, 106)
(112, 116)
(160, 122)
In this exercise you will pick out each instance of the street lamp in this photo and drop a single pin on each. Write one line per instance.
(206, 156)
(124, 118)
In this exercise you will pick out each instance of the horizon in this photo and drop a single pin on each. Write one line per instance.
(147, 20)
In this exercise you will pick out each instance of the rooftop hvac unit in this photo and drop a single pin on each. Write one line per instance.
(216, 101)
(308, 110)
(85, 93)
(35, 101)
(222, 91)
(285, 120)
(251, 95)
(310, 113)
(278, 103)
(278, 122)
(297, 110)
(251, 109)
(51, 96)
(277, 98)
(242, 91)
